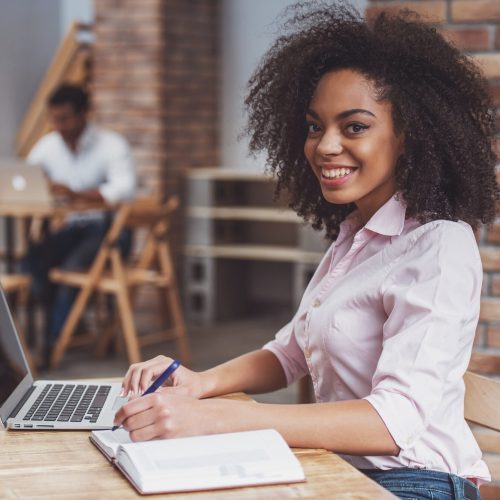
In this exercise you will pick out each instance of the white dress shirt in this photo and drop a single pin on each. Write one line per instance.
(390, 317)
(102, 161)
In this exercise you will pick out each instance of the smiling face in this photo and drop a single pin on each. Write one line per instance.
(351, 145)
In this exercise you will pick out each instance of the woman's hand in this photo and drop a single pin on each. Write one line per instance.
(141, 375)
(165, 414)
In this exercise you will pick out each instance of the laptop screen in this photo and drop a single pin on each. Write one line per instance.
(15, 376)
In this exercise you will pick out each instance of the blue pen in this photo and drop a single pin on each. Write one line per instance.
(159, 381)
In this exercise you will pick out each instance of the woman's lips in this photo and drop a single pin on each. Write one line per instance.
(336, 176)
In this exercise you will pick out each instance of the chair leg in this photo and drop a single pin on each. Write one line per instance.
(69, 326)
(173, 302)
(128, 326)
(178, 322)
(104, 323)
(125, 308)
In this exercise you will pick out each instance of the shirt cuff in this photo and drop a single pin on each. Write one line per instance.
(399, 415)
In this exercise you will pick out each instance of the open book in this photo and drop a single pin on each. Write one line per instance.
(201, 462)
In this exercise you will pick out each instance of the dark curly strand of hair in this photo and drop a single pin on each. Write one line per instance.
(439, 97)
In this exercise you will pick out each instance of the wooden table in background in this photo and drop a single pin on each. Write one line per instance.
(66, 465)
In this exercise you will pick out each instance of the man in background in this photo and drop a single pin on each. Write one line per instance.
(83, 163)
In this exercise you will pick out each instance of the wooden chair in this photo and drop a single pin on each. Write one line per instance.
(482, 407)
(19, 284)
(109, 274)
(484, 362)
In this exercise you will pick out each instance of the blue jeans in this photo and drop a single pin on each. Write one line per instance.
(424, 484)
(73, 247)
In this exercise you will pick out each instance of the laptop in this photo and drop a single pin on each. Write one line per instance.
(49, 404)
(23, 183)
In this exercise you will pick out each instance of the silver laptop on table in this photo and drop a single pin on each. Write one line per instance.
(49, 404)
(23, 183)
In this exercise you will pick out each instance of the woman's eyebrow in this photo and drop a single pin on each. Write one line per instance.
(343, 114)
(354, 111)
(312, 113)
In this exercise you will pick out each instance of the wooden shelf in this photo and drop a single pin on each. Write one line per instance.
(263, 214)
(233, 219)
(228, 174)
(254, 252)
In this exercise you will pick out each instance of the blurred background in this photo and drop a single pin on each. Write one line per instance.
(170, 75)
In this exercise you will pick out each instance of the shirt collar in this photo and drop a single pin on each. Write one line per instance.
(389, 219)
(87, 138)
(349, 226)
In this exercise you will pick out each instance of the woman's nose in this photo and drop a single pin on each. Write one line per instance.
(330, 144)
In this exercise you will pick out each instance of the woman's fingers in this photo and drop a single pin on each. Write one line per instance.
(139, 376)
(132, 408)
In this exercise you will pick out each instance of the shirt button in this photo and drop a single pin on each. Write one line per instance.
(307, 353)
(316, 303)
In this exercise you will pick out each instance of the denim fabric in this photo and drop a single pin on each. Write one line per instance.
(73, 247)
(422, 484)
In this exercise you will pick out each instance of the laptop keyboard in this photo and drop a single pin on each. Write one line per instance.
(68, 403)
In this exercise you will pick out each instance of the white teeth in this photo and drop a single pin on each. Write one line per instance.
(334, 173)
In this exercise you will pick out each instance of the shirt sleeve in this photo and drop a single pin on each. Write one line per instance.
(431, 298)
(120, 181)
(289, 354)
(38, 153)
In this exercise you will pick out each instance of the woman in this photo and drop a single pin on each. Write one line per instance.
(381, 132)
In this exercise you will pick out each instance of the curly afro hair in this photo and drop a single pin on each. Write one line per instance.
(439, 98)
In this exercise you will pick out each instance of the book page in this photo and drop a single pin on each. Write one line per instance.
(206, 462)
(109, 441)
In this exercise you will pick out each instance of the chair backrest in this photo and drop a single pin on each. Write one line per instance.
(487, 361)
(150, 212)
(147, 213)
(482, 400)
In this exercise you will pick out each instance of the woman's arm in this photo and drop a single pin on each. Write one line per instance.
(257, 371)
(352, 427)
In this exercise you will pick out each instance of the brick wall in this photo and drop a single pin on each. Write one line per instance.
(155, 81)
(155, 67)
(474, 27)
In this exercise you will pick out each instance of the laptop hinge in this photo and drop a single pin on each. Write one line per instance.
(19, 405)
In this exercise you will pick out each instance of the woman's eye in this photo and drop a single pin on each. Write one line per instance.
(356, 128)
(312, 128)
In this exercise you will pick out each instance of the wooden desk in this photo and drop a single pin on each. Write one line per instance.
(64, 464)
(48, 210)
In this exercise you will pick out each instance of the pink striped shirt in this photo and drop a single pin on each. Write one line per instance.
(390, 317)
